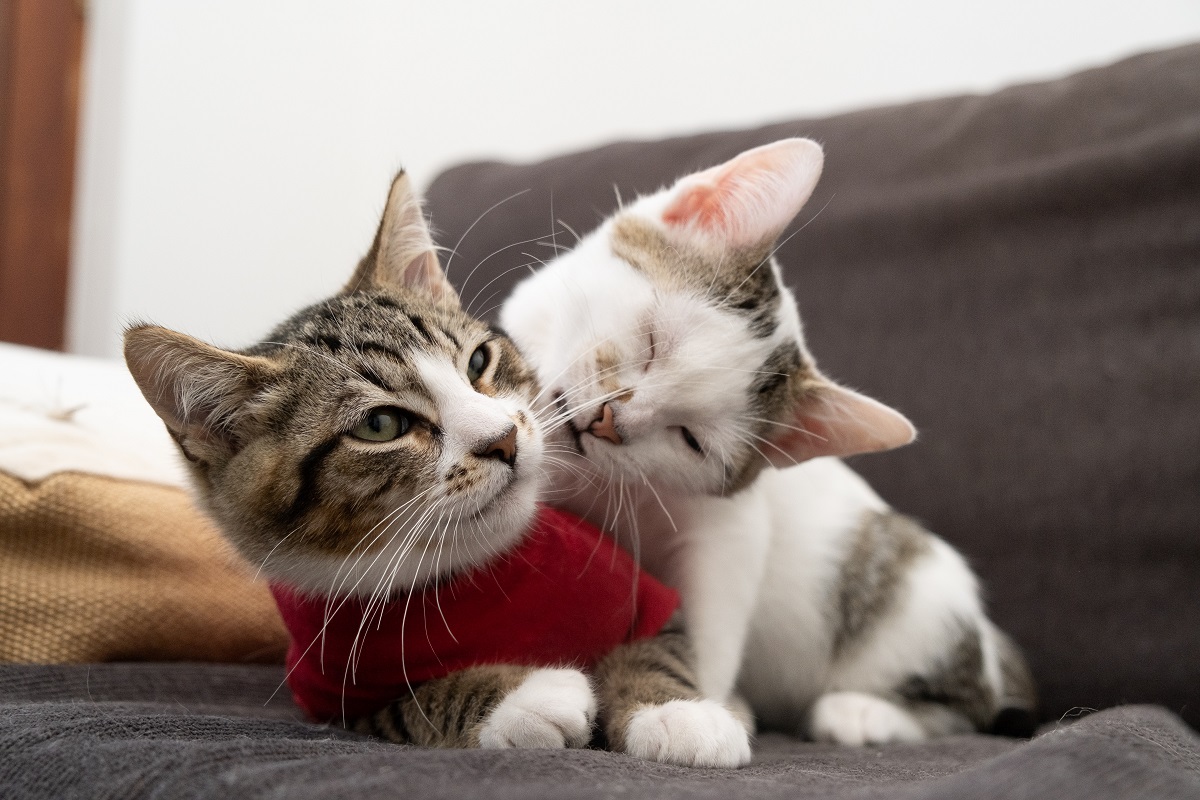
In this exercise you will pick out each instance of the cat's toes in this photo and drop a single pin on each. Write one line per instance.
(693, 733)
(552, 708)
(855, 718)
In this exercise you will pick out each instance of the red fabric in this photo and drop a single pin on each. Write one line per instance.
(564, 596)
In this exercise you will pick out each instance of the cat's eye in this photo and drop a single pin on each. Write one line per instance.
(383, 425)
(477, 363)
(691, 441)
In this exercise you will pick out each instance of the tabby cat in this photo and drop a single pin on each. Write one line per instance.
(381, 442)
(674, 351)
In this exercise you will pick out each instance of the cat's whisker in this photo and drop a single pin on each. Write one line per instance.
(382, 588)
(437, 570)
(486, 311)
(620, 502)
(778, 424)
(658, 499)
(490, 256)
(780, 244)
(319, 637)
(553, 230)
(635, 550)
(570, 230)
(271, 552)
(382, 527)
(568, 413)
(403, 660)
(471, 227)
(376, 606)
(773, 446)
(568, 465)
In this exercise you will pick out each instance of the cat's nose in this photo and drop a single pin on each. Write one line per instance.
(503, 449)
(603, 427)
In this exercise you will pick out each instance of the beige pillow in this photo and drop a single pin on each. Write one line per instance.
(96, 568)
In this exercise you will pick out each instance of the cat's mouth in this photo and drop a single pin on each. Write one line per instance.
(602, 427)
(498, 498)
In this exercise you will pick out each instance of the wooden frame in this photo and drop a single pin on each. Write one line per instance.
(41, 43)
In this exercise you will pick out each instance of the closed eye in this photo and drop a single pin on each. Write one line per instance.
(691, 441)
(650, 358)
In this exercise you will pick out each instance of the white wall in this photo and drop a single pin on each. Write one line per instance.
(235, 153)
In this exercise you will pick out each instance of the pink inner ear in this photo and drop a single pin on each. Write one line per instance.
(424, 274)
(750, 199)
(700, 206)
(838, 422)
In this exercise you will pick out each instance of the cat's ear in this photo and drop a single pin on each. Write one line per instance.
(747, 202)
(198, 390)
(403, 254)
(831, 420)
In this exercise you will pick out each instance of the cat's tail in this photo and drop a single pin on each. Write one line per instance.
(1016, 706)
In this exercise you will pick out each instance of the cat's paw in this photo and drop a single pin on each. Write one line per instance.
(855, 718)
(552, 708)
(693, 733)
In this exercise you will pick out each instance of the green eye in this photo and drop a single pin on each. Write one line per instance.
(383, 425)
(477, 364)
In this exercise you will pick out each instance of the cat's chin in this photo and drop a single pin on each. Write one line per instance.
(612, 462)
(468, 541)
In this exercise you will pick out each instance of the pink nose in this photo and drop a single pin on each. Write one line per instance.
(502, 449)
(603, 428)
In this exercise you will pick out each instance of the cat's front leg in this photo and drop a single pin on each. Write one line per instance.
(552, 708)
(492, 706)
(719, 573)
(651, 708)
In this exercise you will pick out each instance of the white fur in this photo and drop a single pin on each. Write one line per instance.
(857, 719)
(754, 569)
(552, 708)
(691, 733)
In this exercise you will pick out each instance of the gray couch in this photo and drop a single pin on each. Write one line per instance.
(1020, 274)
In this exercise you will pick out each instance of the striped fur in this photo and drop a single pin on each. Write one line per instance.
(365, 448)
(449, 712)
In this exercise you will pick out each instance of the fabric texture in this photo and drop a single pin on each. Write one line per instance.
(565, 596)
(101, 569)
(167, 731)
(1020, 275)
(73, 413)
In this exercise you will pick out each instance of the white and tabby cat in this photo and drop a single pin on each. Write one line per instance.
(380, 442)
(676, 353)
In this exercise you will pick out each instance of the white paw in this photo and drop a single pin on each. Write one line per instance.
(693, 733)
(552, 708)
(855, 718)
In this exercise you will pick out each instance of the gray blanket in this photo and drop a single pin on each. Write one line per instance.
(189, 731)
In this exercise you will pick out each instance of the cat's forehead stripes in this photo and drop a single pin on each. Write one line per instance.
(741, 281)
(374, 321)
(370, 336)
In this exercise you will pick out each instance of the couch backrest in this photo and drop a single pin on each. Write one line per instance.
(1020, 274)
